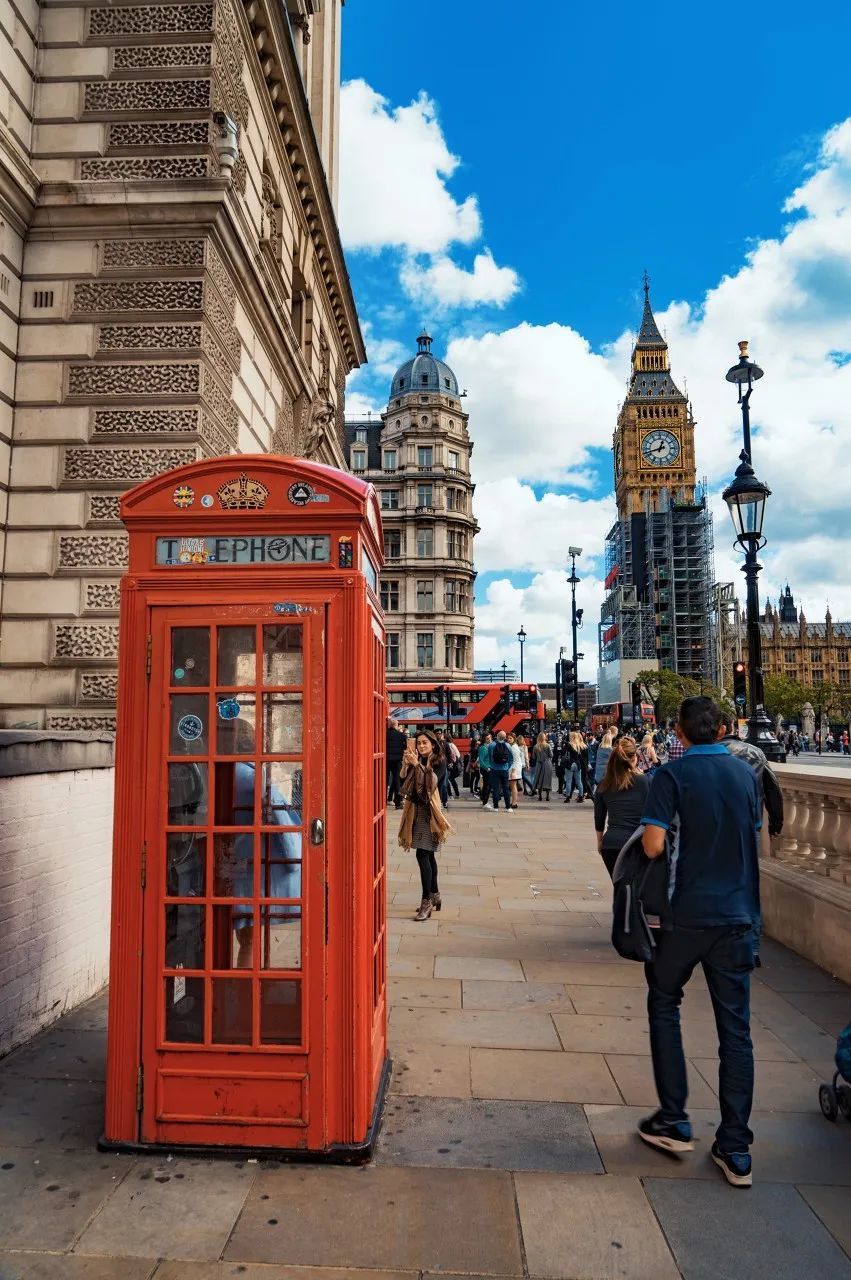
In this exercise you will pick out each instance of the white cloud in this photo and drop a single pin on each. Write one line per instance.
(543, 609)
(521, 532)
(443, 284)
(394, 165)
(539, 400)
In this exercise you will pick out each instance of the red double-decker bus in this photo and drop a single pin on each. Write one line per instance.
(466, 708)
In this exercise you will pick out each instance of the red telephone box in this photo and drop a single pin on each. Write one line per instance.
(248, 962)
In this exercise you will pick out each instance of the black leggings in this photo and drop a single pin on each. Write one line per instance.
(428, 871)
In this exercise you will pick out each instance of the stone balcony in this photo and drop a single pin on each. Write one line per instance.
(806, 871)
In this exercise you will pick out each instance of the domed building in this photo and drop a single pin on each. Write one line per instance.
(417, 454)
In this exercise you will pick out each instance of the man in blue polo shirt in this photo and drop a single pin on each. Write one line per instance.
(708, 805)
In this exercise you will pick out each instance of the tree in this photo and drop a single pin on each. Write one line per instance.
(785, 696)
(673, 688)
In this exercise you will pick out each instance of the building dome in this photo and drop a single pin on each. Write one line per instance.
(424, 373)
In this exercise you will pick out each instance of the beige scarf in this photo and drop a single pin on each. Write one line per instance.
(416, 779)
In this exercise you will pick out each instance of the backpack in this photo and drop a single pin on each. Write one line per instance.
(843, 1053)
(501, 753)
(640, 901)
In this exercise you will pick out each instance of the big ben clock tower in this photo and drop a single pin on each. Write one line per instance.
(659, 551)
(654, 437)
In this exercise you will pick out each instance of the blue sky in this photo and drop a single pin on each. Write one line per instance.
(506, 179)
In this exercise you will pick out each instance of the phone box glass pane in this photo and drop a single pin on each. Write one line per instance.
(280, 937)
(234, 799)
(280, 1011)
(187, 731)
(235, 716)
(184, 937)
(282, 655)
(231, 1010)
(236, 664)
(187, 795)
(190, 656)
(282, 720)
(184, 1010)
(185, 859)
(233, 866)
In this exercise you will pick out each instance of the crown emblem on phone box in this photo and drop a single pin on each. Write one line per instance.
(242, 493)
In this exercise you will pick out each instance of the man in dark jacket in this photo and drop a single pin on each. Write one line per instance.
(772, 796)
(397, 740)
(707, 807)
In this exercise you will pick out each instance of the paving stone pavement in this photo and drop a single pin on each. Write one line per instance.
(520, 1069)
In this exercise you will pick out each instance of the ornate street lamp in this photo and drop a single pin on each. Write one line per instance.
(521, 636)
(575, 620)
(746, 497)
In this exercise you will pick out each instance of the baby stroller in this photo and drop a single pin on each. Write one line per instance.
(835, 1098)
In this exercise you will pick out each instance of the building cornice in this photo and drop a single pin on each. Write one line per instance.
(18, 184)
(276, 62)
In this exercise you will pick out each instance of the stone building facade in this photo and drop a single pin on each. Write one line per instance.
(172, 284)
(418, 457)
(812, 653)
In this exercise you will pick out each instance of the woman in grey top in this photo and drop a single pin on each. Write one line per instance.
(543, 779)
(619, 801)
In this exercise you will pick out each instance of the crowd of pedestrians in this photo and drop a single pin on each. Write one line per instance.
(694, 794)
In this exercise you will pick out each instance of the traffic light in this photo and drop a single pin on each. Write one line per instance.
(441, 699)
(740, 687)
(636, 699)
(568, 680)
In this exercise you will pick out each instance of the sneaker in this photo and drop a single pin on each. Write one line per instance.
(735, 1166)
(488, 806)
(510, 810)
(673, 1138)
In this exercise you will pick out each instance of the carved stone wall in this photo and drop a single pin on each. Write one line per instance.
(86, 641)
(99, 686)
(181, 339)
(101, 597)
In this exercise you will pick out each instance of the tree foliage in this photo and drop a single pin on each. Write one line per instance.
(673, 688)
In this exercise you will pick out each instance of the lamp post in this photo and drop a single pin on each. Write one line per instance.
(521, 636)
(746, 497)
(575, 618)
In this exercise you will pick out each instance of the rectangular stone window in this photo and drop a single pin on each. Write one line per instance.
(425, 595)
(425, 542)
(425, 456)
(390, 499)
(456, 545)
(360, 435)
(392, 651)
(388, 460)
(425, 649)
(425, 495)
(456, 596)
(390, 595)
(392, 544)
(455, 652)
(358, 460)
(454, 459)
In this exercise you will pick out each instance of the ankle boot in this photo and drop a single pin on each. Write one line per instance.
(436, 901)
(425, 910)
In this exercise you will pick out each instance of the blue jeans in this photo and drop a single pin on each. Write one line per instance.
(727, 954)
(573, 779)
(499, 787)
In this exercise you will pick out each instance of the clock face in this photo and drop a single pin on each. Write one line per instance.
(660, 448)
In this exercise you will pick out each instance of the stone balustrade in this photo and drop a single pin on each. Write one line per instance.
(806, 871)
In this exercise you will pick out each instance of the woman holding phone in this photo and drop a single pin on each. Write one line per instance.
(423, 826)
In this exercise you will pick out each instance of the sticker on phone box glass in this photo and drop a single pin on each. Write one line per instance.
(189, 728)
(228, 709)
